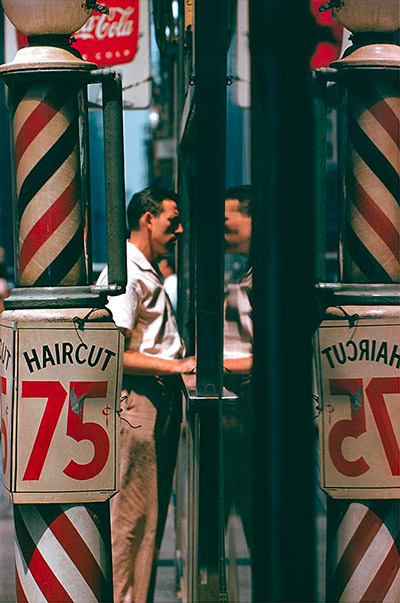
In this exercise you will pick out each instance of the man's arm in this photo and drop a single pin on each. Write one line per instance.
(241, 366)
(136, 363)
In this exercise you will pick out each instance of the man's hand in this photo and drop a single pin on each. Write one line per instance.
(185, 365)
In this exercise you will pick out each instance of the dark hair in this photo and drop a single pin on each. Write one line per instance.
(149, 199)
(243, 195)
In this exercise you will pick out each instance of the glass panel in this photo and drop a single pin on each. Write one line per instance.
(238, 326)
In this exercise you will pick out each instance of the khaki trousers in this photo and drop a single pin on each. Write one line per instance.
(150, 428)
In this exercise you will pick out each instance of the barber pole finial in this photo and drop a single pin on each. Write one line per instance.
(49, 26)
(372, 23)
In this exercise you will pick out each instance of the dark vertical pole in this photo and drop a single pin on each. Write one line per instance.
(210, 102)
(320, 128)
(210, 36)
(283, 553)
(6, 229)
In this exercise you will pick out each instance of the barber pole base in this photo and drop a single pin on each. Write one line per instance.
(62, 553)
(363, 562)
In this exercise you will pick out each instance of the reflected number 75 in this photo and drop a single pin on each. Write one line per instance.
(356, 426)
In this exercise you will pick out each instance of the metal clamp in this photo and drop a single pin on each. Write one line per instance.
(115, 184)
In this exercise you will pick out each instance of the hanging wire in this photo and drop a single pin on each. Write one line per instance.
(318, 407)
(92, 4)
(352, 320)
(121, 410)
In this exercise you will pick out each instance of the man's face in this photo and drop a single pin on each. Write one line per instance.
(237, 228)
(166, 228)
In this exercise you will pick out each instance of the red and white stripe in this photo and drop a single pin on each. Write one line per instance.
(61, 556)
(50, 214)
(371, 250)
(366, 562)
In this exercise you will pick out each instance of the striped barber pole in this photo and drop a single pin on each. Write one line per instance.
(49, 215)
(363, 555)
(371, 247)
(62, 553)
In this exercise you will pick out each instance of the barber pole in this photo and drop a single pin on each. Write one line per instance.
(363, 562)
(61, 366)
(358, 352)
(371, 239)
(61, 553)
(50, 212)
(358, 341)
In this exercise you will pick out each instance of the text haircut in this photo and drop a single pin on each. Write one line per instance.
(149, 199)
(243, 195)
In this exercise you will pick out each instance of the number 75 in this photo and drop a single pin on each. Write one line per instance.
(76, 427)
(356, 426)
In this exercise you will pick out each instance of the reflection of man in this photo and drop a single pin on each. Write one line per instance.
(238, 326)
(238, 359)
(151, 412)
(167, 268)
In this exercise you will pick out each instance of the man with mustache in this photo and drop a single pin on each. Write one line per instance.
(153, 361)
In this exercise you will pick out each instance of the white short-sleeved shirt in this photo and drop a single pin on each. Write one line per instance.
(238, 323)
(145, 310)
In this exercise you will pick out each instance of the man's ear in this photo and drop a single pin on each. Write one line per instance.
(147, 219)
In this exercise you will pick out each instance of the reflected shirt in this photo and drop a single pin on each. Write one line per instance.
(238, 323)
(145, 310)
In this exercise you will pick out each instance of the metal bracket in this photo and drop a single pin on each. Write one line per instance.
(90, 296)
(198, 403)
(359, 293)
(205, 402)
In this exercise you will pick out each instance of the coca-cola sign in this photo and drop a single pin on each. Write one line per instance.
(110, 39)
(107, 39)
(326, 52)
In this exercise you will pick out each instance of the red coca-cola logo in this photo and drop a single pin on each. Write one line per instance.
(326, 52)
(107, 39)
(110, 39)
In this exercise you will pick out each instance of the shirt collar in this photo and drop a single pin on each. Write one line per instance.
(135, 255)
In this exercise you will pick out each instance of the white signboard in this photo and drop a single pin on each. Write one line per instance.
(64, 402)
(359, 387)
(241, 88)
(6, 388)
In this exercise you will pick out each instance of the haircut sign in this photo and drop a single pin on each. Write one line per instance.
(60, 387)
(359, 386)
